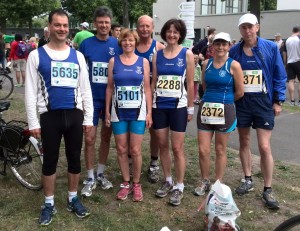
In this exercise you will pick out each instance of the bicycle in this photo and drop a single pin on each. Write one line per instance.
(19, 151)
(291, 224)
(6, 84)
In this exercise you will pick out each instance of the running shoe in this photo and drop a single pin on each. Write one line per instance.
(202, 188)
(245, 187)
(164, 190)
(269, 199)
(103, 182)
(176, 197)
(46, 215)
(153, 174)
(125, 190)
(137, 192)
(89, 186)
(76, 207)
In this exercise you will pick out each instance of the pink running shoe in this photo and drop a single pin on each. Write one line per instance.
(137, 192)
(125, 190)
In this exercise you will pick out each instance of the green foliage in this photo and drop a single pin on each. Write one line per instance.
(264, 5)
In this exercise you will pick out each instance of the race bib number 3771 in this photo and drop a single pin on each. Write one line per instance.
(252, 80)
(64, 74)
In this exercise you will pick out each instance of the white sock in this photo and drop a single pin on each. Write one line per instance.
(72, 195)
(90, 173)
(169, 179)
(100, 169)
(180, 186)
(49, 200)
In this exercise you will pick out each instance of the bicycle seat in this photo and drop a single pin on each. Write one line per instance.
(4, 106)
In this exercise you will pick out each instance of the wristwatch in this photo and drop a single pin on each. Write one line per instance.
(278, 102)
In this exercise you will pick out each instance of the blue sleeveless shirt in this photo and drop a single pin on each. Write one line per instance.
(128, 90)
(219, 83)
(58, 97)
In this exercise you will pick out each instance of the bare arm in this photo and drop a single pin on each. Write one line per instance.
(190, 71)
(154, 73)
(203, 74)
(109, 91)
(237, 73)
(148, 93)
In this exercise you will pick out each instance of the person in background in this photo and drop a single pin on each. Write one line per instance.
(172, 105)
(264, 87)
(278, 40)
(222, 80)
(115, 30)
(292, 61)
(106, 47)
(82, 35)
(197, 80)
(66, 110)
(128, 110)
(45, 38)
(18, 60)
(2, 52)
(146, 48)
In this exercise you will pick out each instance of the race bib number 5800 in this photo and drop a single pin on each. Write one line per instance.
(64, 74)
(100, 72)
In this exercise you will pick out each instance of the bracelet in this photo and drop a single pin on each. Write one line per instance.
(190, 110)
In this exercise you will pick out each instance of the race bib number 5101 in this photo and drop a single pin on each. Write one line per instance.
(64, 74)
(129, 97)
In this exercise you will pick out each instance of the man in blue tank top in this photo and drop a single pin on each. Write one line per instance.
(264, 87)
(98, 50)
(146, 48)
(57, 85)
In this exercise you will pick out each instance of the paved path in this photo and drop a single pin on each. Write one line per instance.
(285, 141)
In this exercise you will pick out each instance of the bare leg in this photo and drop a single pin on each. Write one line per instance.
(204, 141)
(221, 155)
(165, 157)
(291, 88)
(245, 153)
(177, 139)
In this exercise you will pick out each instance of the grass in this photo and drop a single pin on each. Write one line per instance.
(19, 207)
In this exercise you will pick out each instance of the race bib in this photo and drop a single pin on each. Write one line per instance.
(169, 86)
(64, 74)
(252, 80)
(129, 97)
(99, 72)
(212, 113)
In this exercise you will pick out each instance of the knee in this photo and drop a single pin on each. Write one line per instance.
(90, 140)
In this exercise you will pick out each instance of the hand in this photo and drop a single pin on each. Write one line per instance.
(87, 128)
(149, 121)
(36, 133)
(107, 120)
(277, 109)
(190, 117)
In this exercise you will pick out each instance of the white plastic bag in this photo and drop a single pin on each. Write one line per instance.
(220, 208)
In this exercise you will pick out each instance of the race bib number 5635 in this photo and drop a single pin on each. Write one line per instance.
(64, 74)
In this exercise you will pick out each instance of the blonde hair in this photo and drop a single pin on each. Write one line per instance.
(125, 33)
(32, 39)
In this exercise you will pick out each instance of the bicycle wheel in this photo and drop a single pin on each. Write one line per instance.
(6, 86)
(290, 224)
(26, 164)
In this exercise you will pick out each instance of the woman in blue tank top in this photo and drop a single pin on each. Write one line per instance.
(222, 80)
(173, 85)
(128, 109)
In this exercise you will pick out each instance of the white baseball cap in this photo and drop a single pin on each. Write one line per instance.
(223, 36)
(46, 29)
(85, 25)
(248, 18)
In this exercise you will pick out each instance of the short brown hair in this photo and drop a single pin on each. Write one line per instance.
(125, 33)
(178, 24)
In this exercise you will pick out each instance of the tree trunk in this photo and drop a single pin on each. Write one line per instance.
(3, 25)
(30, 27)
(255, 9)
(125, 13)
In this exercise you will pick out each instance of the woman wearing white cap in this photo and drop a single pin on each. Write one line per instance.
(222, 80)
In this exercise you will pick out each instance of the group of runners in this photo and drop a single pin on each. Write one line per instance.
(136, 83)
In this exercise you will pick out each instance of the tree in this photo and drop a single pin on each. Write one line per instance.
(83, 9)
